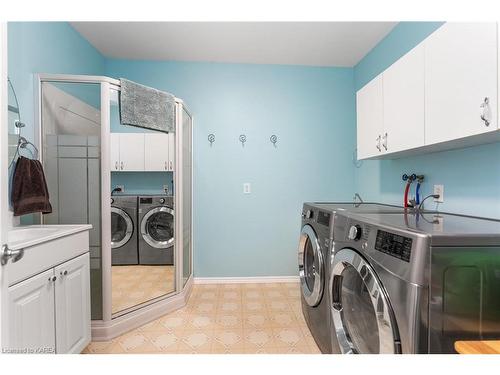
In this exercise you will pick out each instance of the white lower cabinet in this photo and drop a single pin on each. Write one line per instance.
(50, 312)
(31, 315)
(72, 305)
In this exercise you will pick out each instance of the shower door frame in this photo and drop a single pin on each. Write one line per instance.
(111, 325)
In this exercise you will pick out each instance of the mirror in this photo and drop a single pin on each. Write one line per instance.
(142, 230)
(14, 118)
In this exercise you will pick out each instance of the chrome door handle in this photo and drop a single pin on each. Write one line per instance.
(486, 116)
(7, 254)
(385, 141)
(378, 143)
(121, 165)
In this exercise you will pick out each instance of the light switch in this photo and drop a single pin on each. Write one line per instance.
(247, 188)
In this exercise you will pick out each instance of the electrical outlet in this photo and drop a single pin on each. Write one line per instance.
(439, 189)
(247, 188)
(121, 187)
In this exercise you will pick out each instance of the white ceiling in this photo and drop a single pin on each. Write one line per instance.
(291, 43)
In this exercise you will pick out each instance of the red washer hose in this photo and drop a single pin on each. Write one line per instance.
(407, 189)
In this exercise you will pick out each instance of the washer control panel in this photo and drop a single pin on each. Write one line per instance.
(394, 245)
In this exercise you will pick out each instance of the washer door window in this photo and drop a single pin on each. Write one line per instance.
(311, 265)
(362, 316)
(157, 227)
(122, 227)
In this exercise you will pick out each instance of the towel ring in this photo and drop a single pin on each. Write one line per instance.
(211, 139)
(274, 139)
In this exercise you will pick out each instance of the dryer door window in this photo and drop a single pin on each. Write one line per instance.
(157, 227)
(362, 316)
(311, 267)
(122, 227)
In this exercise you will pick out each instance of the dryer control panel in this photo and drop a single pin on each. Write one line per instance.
(394, 245)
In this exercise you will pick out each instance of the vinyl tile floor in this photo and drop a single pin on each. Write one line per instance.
(133, 285)
(224, 319)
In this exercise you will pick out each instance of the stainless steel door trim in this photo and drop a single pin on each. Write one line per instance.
(312, 297)
(147, 237)
(130, 227)
(387, 328)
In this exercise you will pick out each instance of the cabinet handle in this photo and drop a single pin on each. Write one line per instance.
(171, 166)
(53, 278)
(378, 143)
(116, 165)
(166, 166)
(64, 273)
(385, 141)
(486, 116)
(121, 165)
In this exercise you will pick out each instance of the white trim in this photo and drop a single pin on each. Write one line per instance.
(108, 330)
(246, 280)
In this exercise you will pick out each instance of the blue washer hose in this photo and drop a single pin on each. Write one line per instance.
(417, 194)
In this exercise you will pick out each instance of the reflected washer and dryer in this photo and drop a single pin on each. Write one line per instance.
(124, 230)
(314, 263)
(156, 230)
(414, 282)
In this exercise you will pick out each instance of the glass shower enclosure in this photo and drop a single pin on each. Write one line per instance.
(75, 113)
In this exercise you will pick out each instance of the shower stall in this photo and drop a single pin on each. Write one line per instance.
(75, 113)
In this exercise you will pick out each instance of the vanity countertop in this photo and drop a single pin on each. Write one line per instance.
(30, 235)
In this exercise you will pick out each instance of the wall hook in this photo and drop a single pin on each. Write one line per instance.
(274, 139)
(211, 139)
(243, 139)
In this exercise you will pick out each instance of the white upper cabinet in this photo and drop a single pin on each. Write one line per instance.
(171, 151)
(156, 149)
(460, 72)
(132, 152)
(370, 112)
(403, 97)
(441, 95)
(142, 152)
(115, 151)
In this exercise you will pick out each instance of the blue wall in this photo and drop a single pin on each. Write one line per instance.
(46, 47)
(311, 110)
(470, 176)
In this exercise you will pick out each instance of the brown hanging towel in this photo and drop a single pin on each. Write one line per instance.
(29, 188)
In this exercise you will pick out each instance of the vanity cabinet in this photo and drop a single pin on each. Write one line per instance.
(440, 95)
(50, 312)
(153, 152)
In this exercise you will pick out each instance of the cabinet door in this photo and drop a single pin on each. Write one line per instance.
(72, 301)
(171, 151)
(460, 72)
(404, 103)
(156, 155)
(132, 151)
(114, 147)
(370, 110)
(31, 314)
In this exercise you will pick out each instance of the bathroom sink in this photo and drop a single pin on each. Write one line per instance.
(26, 236)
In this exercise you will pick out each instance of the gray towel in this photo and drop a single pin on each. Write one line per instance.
(146, 107)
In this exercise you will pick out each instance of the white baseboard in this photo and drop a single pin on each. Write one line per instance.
(246, 280)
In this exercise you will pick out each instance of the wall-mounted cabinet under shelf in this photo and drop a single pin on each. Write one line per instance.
(134, 152)
(439, 96)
